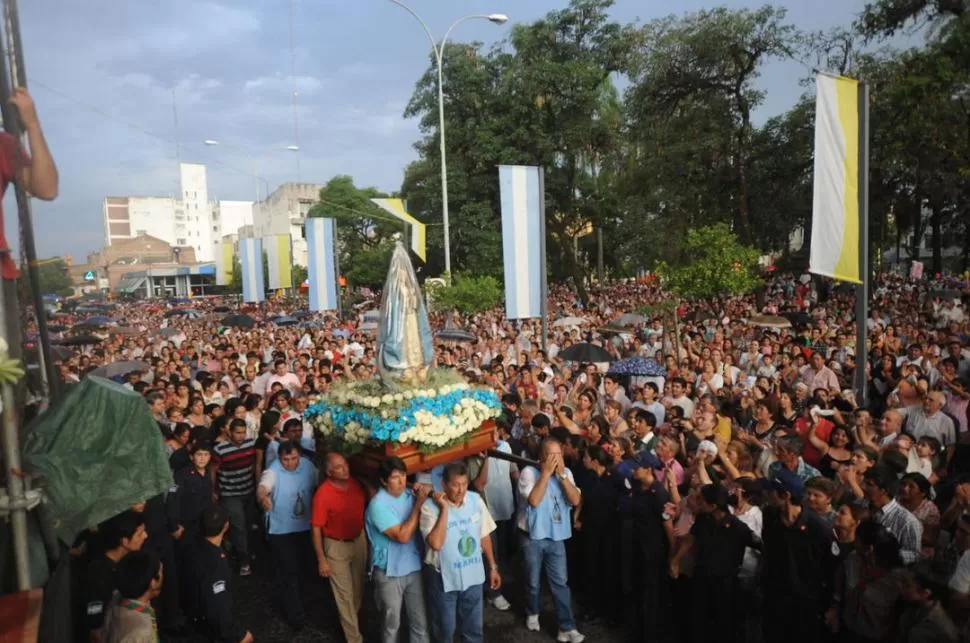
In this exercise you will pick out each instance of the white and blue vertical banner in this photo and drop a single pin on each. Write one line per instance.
(251, 264)
(522, 242)
(321, 244)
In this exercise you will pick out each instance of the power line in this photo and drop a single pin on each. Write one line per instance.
(100, 112)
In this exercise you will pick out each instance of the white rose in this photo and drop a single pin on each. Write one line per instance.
(408, 395)
(387, 399)
(398, 398)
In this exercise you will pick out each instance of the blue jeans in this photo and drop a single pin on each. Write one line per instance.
(449, 608)
(548, 555)
(393, 593)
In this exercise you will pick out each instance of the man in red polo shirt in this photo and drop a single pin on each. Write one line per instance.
(39, 178)
(339, 541)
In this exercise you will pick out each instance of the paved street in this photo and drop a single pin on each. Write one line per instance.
(254, 605)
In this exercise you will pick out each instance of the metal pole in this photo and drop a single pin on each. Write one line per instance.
(11, 413)
(15, 484)
(502, 455)
(11, 123)
(439, 52)
(862, 290)
(336, 272)
(599, 254)
(544, 288)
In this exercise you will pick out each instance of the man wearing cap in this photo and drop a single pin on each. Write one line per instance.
(798, 562)
(208, 578)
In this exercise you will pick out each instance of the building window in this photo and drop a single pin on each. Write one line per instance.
(180, 242)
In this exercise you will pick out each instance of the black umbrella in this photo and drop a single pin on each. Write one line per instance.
(58, 353)
(56, 328)
(222, 309)
(286, 321)
(797, 318)
(239, 321)
(114, 369)
(301, 314)
(585, 352)
(455, 335)
(77, 340)
(97, 321)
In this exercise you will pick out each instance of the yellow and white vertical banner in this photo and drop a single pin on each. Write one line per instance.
(837, 209)
(279, 260)
(395, 207)
(224, 261)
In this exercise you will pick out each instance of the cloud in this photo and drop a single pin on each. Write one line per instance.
(207, 27)
(187, 90)
(279, 84)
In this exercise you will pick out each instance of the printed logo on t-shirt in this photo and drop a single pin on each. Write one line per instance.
(218, 587)
(95, 608)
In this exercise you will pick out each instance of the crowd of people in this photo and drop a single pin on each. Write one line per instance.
(745, 494)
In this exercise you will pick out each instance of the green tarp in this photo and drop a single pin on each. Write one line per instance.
(96, 452)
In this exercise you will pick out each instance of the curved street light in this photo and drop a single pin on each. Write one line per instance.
(439, 50)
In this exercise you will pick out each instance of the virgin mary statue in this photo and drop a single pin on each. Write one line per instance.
(404, 339)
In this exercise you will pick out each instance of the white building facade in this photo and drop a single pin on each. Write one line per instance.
(129, 216)
(284, 211)
(189, 220)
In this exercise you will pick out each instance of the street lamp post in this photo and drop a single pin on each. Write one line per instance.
(439, 51)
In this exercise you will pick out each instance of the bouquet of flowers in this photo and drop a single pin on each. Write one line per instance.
(431, 415)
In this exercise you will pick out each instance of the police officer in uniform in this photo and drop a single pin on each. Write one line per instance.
(163, 532)
(116, 537)
(191, 496)
(208, 582)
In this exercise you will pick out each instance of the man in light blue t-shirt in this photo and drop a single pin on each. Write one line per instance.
(391, 521)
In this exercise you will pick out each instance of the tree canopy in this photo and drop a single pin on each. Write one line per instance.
(647, 132)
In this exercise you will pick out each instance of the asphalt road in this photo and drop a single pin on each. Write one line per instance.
(253, 603)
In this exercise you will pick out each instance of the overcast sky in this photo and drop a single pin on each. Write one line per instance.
(103, 74)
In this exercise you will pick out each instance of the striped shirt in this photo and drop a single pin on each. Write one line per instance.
(906, 527)
(237, 463)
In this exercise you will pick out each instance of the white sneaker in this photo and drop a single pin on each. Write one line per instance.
(532, 622)
(572, 636)
(500, 603)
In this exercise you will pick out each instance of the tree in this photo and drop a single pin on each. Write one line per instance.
(468, 294)
(365, 233)
(54, 278)
(537, 101)
(703, 67)
(714, 262)
(300, 274)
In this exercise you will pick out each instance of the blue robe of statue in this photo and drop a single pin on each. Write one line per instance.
(404, 339)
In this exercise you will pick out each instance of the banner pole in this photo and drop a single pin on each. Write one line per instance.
(862, 289)
(544, 287)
